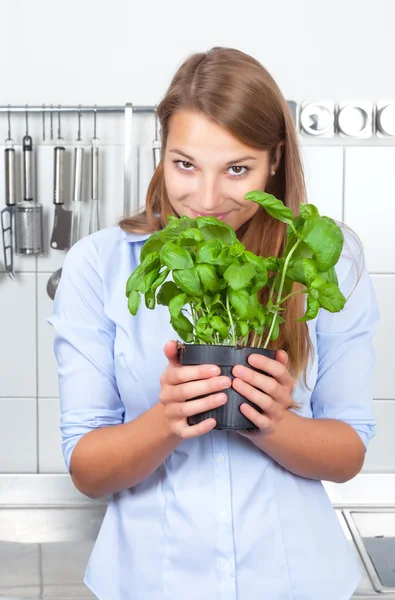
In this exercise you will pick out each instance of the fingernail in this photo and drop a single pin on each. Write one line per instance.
(215, 370)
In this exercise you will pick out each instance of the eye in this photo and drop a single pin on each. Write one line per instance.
(184, 165)
(178, 164)
(239, 174)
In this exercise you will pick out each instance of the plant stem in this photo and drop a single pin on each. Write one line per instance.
(293, 294)
(231, 320)
(280, 292)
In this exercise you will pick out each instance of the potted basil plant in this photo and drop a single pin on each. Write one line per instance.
(210, 283)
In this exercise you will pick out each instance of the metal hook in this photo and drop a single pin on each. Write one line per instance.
(51, 120)
(79, 123)
(59, 131)
(94, 122)
(43, 113)
(95, 138)
(27, 121)
(9, 140)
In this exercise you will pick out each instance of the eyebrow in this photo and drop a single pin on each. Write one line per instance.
(231, 162)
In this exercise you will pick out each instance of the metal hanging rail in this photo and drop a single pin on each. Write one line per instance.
(128, 110)
(70, 109)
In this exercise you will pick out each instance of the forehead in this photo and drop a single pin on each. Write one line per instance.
(197, 135)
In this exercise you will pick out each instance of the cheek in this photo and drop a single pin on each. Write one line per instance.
(176, 184)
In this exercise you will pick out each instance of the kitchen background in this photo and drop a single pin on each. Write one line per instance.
(106, 53)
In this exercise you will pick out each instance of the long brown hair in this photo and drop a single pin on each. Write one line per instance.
(236, 92)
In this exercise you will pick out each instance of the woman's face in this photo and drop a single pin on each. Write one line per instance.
(208, 171)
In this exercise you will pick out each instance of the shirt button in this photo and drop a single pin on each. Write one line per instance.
(224, 515)
(220, 458)
(227, 568)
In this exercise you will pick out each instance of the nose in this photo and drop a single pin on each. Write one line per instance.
(209, 197)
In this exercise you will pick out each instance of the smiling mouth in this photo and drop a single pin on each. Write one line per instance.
(204, 214)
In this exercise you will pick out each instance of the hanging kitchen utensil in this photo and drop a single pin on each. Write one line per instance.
(28, 213)
(54, 280)
(156, 144)
(77, 186)
(60, 239)
(94, 221)
(8, 213)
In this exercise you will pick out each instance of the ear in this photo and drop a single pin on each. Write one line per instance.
(278, 153)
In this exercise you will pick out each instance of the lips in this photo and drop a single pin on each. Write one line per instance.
(204, 214)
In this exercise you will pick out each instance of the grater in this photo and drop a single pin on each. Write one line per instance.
(28, 213)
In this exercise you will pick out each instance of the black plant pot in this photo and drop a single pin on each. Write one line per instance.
(227, 416)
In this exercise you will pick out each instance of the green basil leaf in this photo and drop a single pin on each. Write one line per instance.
(183, 327)
(254, 305)
(209, 251)
(325, 239)
(151, 245)
(151, 261)
(148, 281)
(239, 276)
(331, 298)
(240, 300)
(176, 304)
(134, 280)
(208, 276)
(329, 276)
(302, 270)
(307, 211)
(271, 263)
(237, 249)
(167, 292)
(219, 325)
(188, 281)
(134, 301)
(159, 280)
(211, 227)
(313, 307)
(273, 206)
(150, 299)
(243, 328)
(175, 257)
(190, 237)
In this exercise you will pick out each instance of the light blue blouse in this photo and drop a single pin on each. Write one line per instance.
(219, 519)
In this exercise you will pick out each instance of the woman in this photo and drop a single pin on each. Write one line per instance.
(197, 512)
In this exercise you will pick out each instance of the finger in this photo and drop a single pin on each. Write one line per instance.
(273, 367)
(271, 408)
(180, 410)
(263, 422)
(183, 374)
(266, 384)
(192, 389)
(282, 357)
(186, 431)
(171, 353)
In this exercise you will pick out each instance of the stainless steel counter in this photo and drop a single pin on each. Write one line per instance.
(48, 529)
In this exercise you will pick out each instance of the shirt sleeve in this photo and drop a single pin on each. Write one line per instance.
(346, 356)
(84, 349)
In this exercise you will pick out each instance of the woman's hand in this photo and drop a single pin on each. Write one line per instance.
(273, 396)
(180, 383)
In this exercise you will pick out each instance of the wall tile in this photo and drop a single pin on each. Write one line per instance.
(49, 437)
(47, 367)
(323, 167)
(384, 382)
(369, 203)
(18, 435)
(380, 457)
(18, 335)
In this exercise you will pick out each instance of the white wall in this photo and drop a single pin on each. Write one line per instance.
(111, 53)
